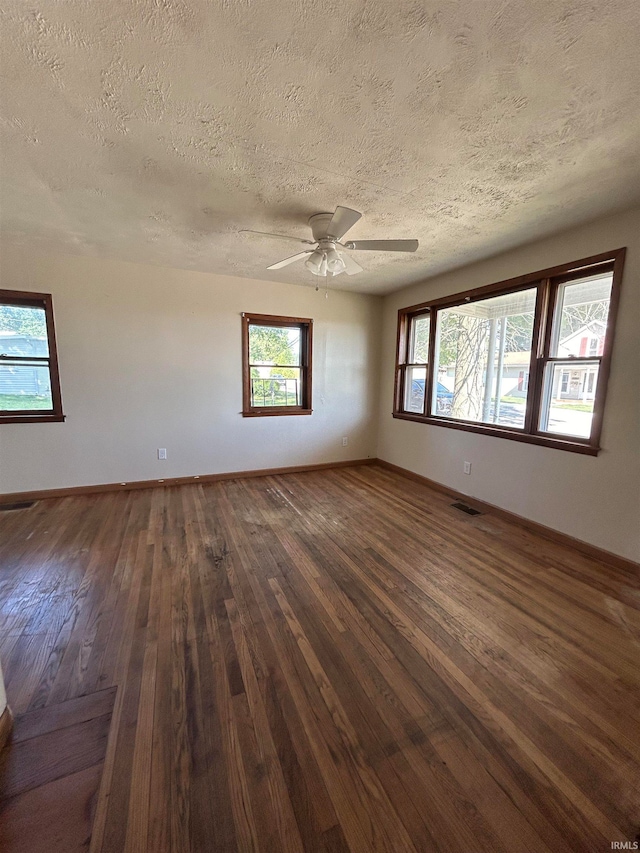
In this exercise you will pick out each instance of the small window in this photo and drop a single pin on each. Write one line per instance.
(416, 382)
(525, 359)
(276, 365)
(572, 364)
(29, 380)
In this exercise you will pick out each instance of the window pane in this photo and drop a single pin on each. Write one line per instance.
(24, 387)
(567, 399)
(23, 331)
(276, 386)
(419, 342)
(581, 317)
(415, 383)
(274, 345)
(483, 352)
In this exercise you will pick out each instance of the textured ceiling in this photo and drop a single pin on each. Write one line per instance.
(154, 131)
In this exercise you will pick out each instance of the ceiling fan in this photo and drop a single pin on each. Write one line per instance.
(324, 258)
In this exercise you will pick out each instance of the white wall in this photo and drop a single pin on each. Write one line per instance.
(596, 499)
(151, 357)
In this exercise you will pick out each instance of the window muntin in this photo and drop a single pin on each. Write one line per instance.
(277, 365)
(546, 382)
(29, 384)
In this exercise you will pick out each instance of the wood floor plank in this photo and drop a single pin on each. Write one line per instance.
(30, 763)
(328, 661)
(56, 816)
(70, 713)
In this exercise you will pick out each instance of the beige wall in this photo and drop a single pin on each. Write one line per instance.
(151, 357)
(594, 499)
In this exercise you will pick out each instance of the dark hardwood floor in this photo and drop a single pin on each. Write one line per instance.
(328, 661)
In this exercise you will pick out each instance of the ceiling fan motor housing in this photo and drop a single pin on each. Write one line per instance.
(319, 223)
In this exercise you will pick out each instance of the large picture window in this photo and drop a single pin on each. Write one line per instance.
(276, 365)
(29, 381)
(526, 359)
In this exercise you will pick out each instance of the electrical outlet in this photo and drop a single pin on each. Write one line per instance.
(345, 440)
(162, 453)
(466, 467)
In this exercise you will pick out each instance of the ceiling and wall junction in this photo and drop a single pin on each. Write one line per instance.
(154, 131)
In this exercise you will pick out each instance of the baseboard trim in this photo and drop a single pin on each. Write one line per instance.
(579, 545)
(548, 532)
(72, 491)
(6, 725)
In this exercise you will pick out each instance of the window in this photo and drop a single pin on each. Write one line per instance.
(417, 366)
(525, 359)
(29, 382)
(276, 365)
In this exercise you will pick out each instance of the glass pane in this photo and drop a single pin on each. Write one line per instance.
(415, 382)
(23, 331)
(419, 342)
(483, 353)
(568, 396)
(581, 317)
(276, 386)
(24, 387)
(274, 345)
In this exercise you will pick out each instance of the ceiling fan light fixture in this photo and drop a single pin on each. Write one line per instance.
(324, 262)
(314, 261)
(335, 263)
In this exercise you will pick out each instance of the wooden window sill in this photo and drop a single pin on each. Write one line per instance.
(499, 432)
(271, 412)
(31, 419)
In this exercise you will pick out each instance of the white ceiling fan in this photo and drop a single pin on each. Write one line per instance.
(325, 257)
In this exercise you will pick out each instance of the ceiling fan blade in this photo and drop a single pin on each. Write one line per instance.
(383, 245)
(351, 267)
(290, 260)
(342, 220)
(279, 236)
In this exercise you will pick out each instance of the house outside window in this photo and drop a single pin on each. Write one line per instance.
(29, 377)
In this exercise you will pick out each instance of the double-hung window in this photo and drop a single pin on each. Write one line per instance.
(276, 355)
(462, 360)
(29, 380)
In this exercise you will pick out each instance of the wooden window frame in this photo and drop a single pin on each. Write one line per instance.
(28, 299)
(547, 283)
(306, 353)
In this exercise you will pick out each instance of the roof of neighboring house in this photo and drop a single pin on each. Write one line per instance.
(595, 327)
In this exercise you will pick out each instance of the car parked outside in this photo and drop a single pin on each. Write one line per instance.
(444, 397)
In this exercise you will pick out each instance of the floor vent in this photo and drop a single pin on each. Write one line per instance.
(464, 508)
(18, 505)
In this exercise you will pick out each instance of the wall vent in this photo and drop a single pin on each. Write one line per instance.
(464, 508)
(17, 505)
